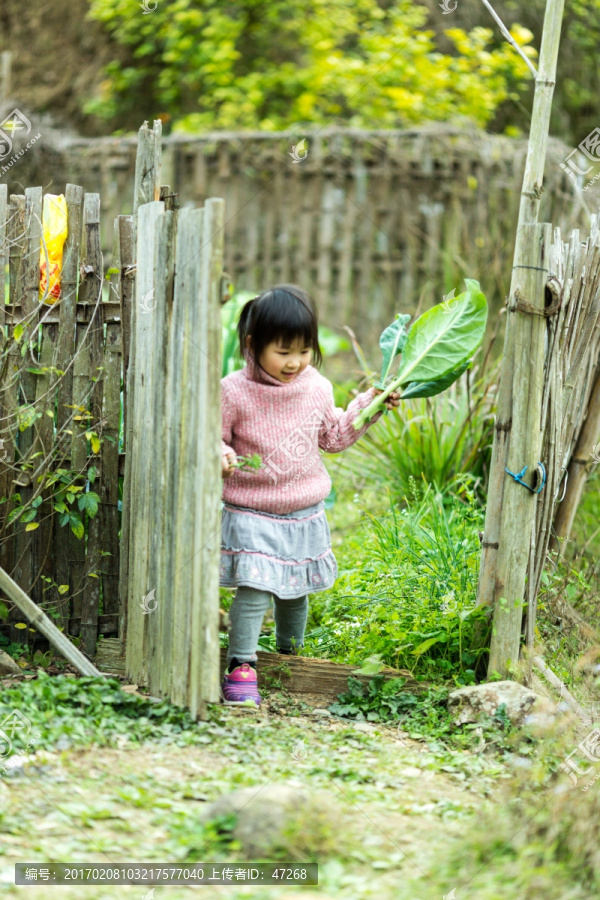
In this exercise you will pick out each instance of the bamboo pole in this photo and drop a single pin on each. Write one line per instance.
(502, 576)
(553, 679)
(584, 458)
(40, 620)
(524, 448)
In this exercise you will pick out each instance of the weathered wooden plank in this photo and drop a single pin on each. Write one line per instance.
(64, 361)
(299, 676)
(84, 386)
(126, 292)
(109, 452)
(326, 235)
(84, 313)
(183, 422)
(140, 448)
(17, 243)
(24, 573)
(5, 476)
(345, 284)
(3, 256)
(160, 575)
(204, 680)
(147, 165)
(67, 307)
(316, 676)
(44, 442)
(91, 291)
(106, 625)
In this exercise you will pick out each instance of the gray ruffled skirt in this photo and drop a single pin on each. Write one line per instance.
(288, 555)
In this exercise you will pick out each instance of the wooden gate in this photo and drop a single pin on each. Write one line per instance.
(173, 467)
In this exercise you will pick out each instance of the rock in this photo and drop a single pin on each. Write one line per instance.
(468, 704)
(411, 772)
(285, 815)
(365, 727)
(7, 665)
(321, 712)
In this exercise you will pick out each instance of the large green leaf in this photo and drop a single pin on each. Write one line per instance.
(392, 342)
(444, 337)
(431, 388)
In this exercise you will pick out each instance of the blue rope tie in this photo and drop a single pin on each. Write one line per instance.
(519, 477)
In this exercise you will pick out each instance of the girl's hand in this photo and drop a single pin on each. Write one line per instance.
(228, 464)
(392, 400)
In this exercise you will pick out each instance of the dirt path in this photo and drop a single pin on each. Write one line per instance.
(399, 799)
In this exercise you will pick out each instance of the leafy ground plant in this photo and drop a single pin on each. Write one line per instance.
(435, 351)
(87, 711)
(425, 716)
(406, 588)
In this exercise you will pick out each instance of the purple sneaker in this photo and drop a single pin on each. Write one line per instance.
(240, 685)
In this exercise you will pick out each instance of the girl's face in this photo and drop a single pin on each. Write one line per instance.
(285, 363)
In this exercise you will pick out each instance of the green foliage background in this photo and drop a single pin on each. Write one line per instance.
(256, 65)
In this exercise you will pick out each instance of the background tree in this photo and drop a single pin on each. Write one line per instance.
(301, 62)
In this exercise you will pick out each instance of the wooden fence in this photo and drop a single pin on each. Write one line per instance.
(149, 330)
(369, 221)
(173, 467)
(60, 374)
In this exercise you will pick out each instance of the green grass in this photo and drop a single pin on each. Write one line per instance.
(406, 587)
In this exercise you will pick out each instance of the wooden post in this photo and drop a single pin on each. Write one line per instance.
(524, 448)
(502, 576)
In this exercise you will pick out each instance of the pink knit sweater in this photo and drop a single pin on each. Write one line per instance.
(289, 425)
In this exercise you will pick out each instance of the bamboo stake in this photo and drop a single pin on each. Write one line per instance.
(584, 457)
(500, 575)
(519, 504)
(555, 681)
(40, 620)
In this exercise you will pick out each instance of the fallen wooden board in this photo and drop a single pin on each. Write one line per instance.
(315, 676)
(308, 675)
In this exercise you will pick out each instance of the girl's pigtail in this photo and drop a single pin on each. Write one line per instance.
(243, 327)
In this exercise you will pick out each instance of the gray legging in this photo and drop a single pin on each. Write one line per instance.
(246, 617)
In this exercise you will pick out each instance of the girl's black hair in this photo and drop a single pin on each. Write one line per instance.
(282, 313)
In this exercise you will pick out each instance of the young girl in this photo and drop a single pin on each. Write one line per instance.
(275, 537)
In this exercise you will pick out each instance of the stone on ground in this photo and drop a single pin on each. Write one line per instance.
(7, 665)
(285, 816)
(468, 704)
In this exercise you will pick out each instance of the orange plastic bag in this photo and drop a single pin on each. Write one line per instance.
(54, 230)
